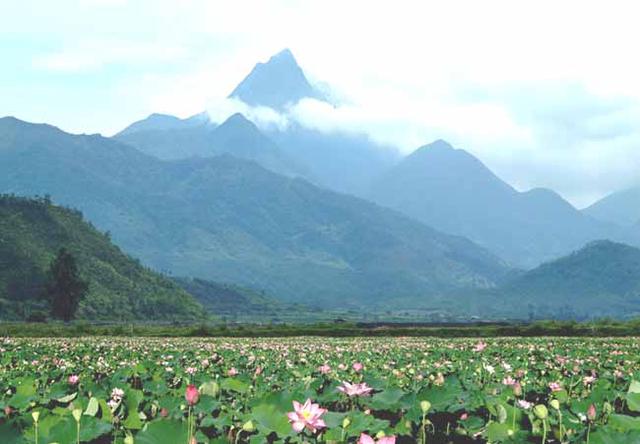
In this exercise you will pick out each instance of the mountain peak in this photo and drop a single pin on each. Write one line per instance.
(238, 123)
(441, 151)
(237, 118)
(440, 144)
(13, 123)
(285, 56)
(158, 121)
(277, 83)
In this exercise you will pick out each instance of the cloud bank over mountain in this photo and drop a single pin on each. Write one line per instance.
(541, 106)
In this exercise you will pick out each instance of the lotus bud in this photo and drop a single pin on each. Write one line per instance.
(192, 395)
(249, 426)
(541, 411)
(35, 416)
(591, 412)
(555, 404)
(517, 389)
(77, 414)
(346, 422)
(380, 435)
(128, 439)
(425, 406)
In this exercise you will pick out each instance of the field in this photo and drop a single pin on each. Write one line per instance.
(245, 390)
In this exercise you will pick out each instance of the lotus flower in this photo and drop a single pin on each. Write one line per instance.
(555, 387)
(73, 379)
(192, 395)
(324, 369)
(524, 404)
(307, 416)
(357, 366)
(361, 389)
(366, 439)
(480, 346)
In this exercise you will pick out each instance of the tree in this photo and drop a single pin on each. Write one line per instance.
(65, 288)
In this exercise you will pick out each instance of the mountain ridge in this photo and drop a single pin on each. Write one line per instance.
(621, 207)
(454, 192)
(230, 220)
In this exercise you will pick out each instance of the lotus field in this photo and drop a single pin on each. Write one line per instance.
(319, 390)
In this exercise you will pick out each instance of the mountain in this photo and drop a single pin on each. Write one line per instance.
(454, 192)
(163, 122)
(232, 302)
(622, 208)
(241, 138)
(601, 279)
(344, 162)
(229, 220)
(275, 84)
(32, 232)
(182, 139)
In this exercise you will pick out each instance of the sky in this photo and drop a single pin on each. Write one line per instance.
(545, 93)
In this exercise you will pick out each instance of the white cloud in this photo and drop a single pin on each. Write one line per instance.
(264, 117)
(545, 92)
(92, 56)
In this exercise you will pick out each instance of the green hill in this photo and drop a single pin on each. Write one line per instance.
(600, 280)
(31, 233)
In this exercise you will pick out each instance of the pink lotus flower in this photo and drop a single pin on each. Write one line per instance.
(480, 346)
(524, 404)
(509, 381)
(555, 387)
(232, 371)
(192, 395)
(307, 416)
(366, 439)
(73, 379)
(464, 416)
(357, 366)
(361, 389)
(324, 369)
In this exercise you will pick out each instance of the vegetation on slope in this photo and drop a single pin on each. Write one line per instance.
(31, 234)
